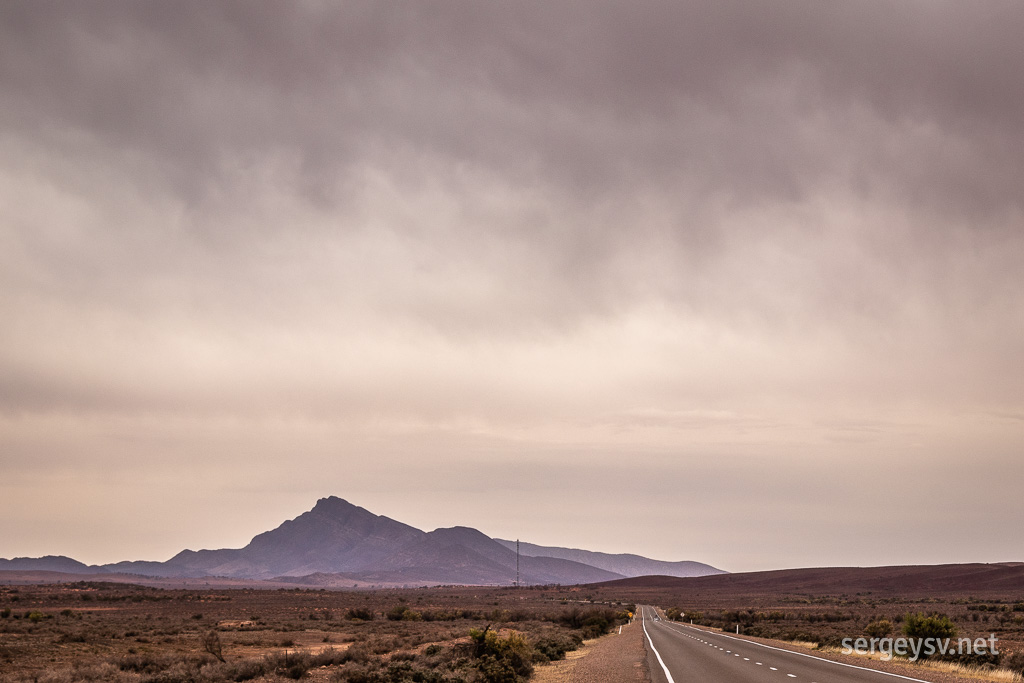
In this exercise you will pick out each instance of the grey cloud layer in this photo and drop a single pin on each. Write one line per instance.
(499, 166)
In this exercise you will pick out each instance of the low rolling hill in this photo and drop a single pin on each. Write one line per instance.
(910, 580)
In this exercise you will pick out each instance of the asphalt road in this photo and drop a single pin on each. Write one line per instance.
(679, 653)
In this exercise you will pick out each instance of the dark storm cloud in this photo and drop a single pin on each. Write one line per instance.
(713, 229)
(594, 96)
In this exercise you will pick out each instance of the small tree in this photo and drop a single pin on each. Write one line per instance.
(211, 643)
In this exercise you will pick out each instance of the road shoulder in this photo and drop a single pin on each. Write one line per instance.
(614, 657)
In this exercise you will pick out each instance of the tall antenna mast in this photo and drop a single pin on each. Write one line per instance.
(517, 563)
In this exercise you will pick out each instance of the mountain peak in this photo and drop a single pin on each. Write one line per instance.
(333, 502)
(340, 509)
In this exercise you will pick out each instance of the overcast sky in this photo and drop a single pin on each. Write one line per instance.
(736, 282)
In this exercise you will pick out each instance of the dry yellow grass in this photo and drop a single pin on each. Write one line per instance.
(561, 671)
(968, 671)
(963, 670)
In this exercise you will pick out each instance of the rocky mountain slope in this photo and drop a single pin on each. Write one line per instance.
(337, 544)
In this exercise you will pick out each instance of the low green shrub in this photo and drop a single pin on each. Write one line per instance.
(359, 614)
(878, 629)
(502, 660)
(551, 647)
(397, 613)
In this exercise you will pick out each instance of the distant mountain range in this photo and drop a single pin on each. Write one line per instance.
(625, 565)
(338, 544)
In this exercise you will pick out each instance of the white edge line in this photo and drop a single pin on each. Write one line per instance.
(643, 622)
(799, 654)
